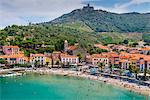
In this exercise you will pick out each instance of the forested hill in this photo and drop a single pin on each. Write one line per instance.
(84, 26)
(103, 21)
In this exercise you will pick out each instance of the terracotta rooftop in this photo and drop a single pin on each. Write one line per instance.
(123, 60)
(101, 46)
(72, 47)
(98, 56)
(12, 56)
(145, 48)
(56, 52)
(68, 56)
(10, 47)
(37, 55)
(111, 54)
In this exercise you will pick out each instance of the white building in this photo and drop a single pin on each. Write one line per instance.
(65, 59)
(37, 58)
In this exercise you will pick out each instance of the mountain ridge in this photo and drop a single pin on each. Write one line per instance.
(79, 26)
(104, 21)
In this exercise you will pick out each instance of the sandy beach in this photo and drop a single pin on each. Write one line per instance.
(115, 82)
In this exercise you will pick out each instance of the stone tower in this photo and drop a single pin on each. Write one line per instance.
(65, 46)
(88, 8)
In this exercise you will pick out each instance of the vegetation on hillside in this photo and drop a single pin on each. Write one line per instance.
(80, 26)
(103, 21)
(47, 38)
(33, 38)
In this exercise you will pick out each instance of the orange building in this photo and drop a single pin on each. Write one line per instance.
(95, 59)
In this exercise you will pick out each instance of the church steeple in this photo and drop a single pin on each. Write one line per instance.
(65, 46)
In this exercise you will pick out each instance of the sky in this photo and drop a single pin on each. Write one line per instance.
(21, 12)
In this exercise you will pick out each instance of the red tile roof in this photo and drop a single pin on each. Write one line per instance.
(68, 56)
(72, 47)
(12, 56)
(98, 56)
(37, 55)
(10, 47)
(101, 46)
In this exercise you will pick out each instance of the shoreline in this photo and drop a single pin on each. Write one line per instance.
(114, 82)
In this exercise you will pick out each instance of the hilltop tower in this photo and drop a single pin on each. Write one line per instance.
(65, 46)
(88, 8)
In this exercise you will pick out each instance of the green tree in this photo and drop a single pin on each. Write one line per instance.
(80, 56)
(110, 67)
(125, 42)
(101, 66)
(68, 64)
(47, 63)
(52, 64)
(134, 69)
(57, 63)
(145, 71)
(37, 64)
(2, 61)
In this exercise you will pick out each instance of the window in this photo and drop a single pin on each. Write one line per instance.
(12, 58)
(9, 49)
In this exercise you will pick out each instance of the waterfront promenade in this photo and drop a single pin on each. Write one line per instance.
(119, 81)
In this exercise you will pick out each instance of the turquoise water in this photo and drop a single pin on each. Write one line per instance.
(49, 87)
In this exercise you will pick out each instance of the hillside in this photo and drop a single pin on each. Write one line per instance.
(81, 26)
(31, 38)
(103, 21)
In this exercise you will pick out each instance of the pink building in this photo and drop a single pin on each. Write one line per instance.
(10, 50)
(15, 59)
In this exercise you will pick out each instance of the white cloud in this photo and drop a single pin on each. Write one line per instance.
(112, 9)
(140, 1)
(123, 8)
(13, 11)
(9, 19)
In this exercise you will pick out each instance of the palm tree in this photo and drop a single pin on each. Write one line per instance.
(130, 67)
(145, 70)
(120, 72)
(47, 63)
(3, 61)
(36, 63)
(68, 64)
(62, 65)
(7, 64)
(57, 63)
(52, 63)
(110, 67)
(134, 69)
(80, 56)
(101, 65)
